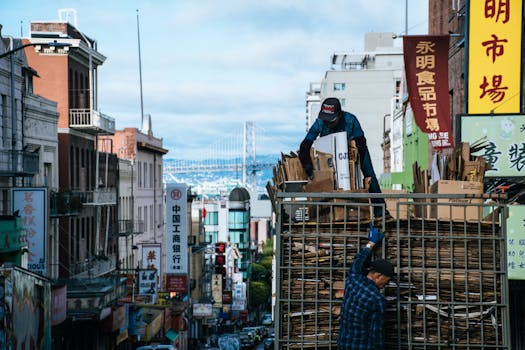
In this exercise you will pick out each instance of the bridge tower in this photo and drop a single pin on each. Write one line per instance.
(249, 161)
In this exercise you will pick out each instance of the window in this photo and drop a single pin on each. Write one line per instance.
(151, 175)
(48, 173)
(139, 173)
(145, 217)
(140, 213)
(339, 86)
(343, 102)
(145, 180)
(151, 220)
(5, 121)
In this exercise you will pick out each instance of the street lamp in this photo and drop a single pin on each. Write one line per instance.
(52, 44)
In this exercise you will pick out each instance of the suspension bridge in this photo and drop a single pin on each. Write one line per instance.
(236, 152)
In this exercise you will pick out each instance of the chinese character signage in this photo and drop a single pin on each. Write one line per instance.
(148, 281)
(177, 283)
(516, 242)
(216, 289)
(426, 67)
(31, 203)
(494, 56)
(151, 257)
(176, 229)
(505, 150)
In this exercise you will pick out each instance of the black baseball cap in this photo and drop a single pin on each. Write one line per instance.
(330, 109)
(383, 266)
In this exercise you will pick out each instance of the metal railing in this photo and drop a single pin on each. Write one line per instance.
(102, 196)
(13, 162)
(130, 227)
(91, 121)
(66, 203)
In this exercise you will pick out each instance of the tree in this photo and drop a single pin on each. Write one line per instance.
(259, 273)
(259, 293)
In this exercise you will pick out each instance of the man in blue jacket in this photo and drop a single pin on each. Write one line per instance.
(361, 325)
(331, 120)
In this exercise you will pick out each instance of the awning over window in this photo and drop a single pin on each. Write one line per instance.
(171, 335)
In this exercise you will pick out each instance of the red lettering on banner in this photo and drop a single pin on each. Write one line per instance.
(426, 65)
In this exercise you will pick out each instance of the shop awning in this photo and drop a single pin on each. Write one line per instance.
(171, 335)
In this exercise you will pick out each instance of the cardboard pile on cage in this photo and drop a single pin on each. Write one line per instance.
(458, 173)
(329, 175)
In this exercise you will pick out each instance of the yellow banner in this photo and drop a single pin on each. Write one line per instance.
(494, 56)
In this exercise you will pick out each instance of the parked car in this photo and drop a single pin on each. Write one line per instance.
(267, 319)
(156, 347)
(247, 341)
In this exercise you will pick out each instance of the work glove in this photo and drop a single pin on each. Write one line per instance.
(309, 169)
(374, 235)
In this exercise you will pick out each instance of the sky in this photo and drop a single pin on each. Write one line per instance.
(208, 66)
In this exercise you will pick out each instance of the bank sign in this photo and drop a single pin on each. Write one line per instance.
(176, 229)
(31, 204)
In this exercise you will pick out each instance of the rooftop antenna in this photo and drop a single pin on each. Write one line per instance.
(140, 75)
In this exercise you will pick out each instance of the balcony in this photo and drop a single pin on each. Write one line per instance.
(96, 266)
(102, 196)
(130, 227)
(66, 203)
(12, 234)
(18, 163)
(92, 122)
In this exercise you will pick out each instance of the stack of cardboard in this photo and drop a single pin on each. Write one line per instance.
(461, 165)
(448, 289)
(460, 173)
(289, 174)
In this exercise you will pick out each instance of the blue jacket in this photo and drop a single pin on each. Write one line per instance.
(361, 325)
(349, 123)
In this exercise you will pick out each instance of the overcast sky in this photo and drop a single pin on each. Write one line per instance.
(210, 65)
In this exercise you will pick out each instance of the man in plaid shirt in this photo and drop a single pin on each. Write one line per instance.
(361, 325)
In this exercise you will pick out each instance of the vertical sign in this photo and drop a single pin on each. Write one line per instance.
(31, 203)
(494, 56)
(216, 289)
(426, 66)
(516, 242)
(151, 256)
(176, 229)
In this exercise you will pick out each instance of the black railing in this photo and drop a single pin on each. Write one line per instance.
(16, 163)
(129, 227)
(66, 203)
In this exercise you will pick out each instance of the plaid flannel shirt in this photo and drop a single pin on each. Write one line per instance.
(361, 325)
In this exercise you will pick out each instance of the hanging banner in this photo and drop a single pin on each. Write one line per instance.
(426, 66)
(494, 56)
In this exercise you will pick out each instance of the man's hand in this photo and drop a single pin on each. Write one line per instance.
(309, 171)
(374, 235)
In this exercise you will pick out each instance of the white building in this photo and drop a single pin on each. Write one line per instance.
(367, 84)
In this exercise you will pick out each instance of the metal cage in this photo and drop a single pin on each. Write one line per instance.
(450, 289)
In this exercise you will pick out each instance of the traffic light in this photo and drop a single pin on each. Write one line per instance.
(220, 248)
(220, 260)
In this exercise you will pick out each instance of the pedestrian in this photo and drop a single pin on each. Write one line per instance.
(333, 119)
(361, 325)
